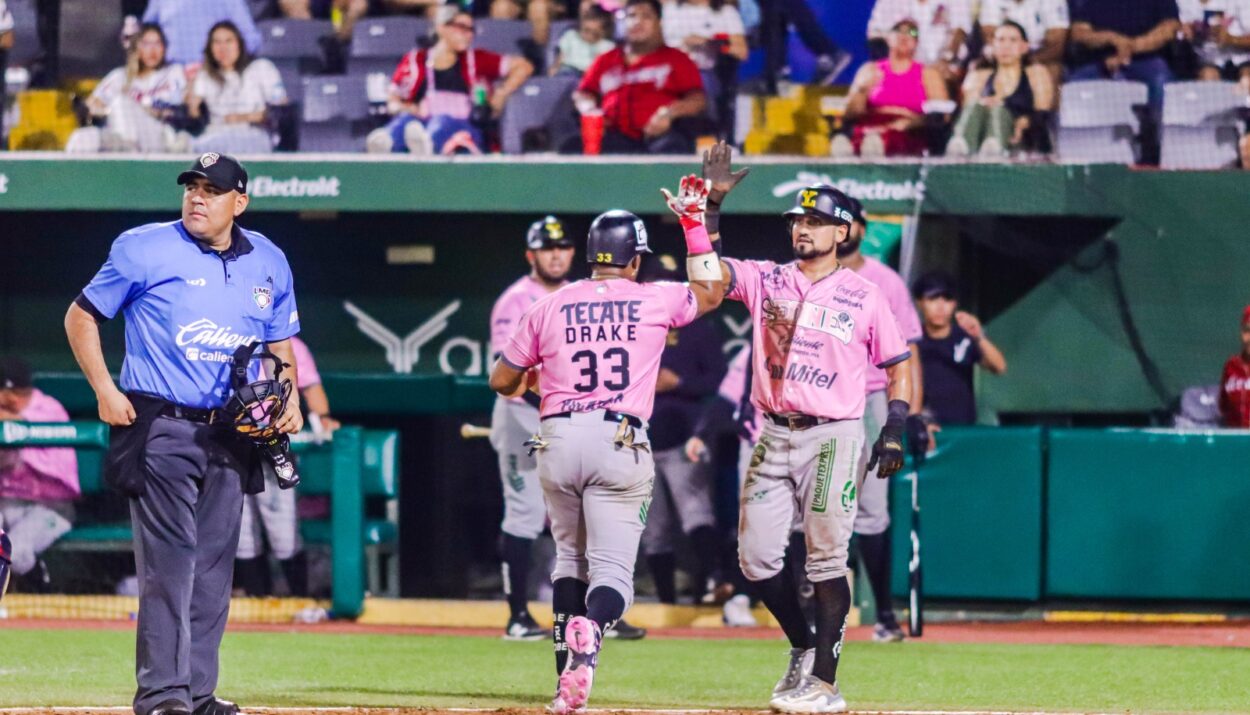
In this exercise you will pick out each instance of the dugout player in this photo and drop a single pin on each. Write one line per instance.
(514, 420)
(818, 327)
(192, 291)
(872, 519)
(598, 344)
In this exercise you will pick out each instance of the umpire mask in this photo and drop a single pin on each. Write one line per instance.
(254, 408)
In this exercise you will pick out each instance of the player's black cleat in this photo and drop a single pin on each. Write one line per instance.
(523, 628)
(623, 631)
(170, 707)
(217, 706)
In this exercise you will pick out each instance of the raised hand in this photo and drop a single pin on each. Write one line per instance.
(690, 203)
(717, 170)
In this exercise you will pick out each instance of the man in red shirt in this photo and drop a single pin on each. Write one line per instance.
(642, 88)
(1235, 384)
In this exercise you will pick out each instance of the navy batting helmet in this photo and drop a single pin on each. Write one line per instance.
(824, 201)
(547, 232)
(615, 238)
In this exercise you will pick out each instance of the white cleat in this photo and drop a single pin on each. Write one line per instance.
(736, 613)
(800, 667)
(812, 696)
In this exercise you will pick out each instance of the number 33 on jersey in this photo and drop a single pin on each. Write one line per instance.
(599, 343)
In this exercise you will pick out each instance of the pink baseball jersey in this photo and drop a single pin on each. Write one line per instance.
(508, 309)
(901, 306)
(814, 342)
(306, 374)
(42, 473)
(734, 385)
(599, 343)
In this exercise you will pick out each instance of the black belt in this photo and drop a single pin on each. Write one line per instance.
(797, 422)
(191, 414)
(608, 416)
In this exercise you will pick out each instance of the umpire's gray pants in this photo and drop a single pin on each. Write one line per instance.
(597, 496)
(873, 516)
(186, 530)
(682, 497)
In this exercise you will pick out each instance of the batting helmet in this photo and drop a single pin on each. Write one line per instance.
(6, 557)
(547, 232)
(615, 238)
(824, 201)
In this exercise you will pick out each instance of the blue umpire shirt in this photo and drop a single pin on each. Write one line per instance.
(188, 307)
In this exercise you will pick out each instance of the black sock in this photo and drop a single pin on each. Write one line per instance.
(875, 550)
(605, 606)
(568, 599)
(704, 540)
(796, 565)
(782, 599)
(663, 572)
(833, 602)
(515, 555)
(295, 569)
(252, 575)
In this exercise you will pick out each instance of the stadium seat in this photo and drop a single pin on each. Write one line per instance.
(540, 103)
(379, 42)
(335, 114)
(558, 28)
(1200, 124)
(1098, 121)
(502, 36)
(293, 39)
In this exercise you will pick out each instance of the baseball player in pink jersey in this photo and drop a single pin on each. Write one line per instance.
(514, 420)
(598, 343)
(872, 520)
(273, 511)
(818, 328)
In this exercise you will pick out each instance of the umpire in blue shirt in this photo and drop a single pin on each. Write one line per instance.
(192, 291)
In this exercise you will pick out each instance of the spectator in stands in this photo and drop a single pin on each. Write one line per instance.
(344, 12)
(428, 8)
(943, 27)
(775, 17)
(37, 484)
(580, 46)
(1045, 23)
(235, 91)
(135, 101)
(540, 13)
(6, 44)
(1220, 34)
(642, 88)
(442, 97)
(886, 100)
(705, 29)
(1235, 382)
(949, 351)
(1126, 40)
(1002, 102)
(187, 24)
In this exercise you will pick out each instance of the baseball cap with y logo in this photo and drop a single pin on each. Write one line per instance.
(222, 170)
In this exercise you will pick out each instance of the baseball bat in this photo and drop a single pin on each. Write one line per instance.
(915, 572)
(468, 431)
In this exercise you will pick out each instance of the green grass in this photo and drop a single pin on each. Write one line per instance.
(87, 667)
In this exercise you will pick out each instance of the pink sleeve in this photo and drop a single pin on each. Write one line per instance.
(305, 367)
(904, 311)
(682, 306)
(885, 343)
(745, 280)
(503, 322)
(522, 350)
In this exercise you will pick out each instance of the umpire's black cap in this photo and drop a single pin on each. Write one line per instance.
(824, 201)
(615, 238)
(547, 232)
(222, 170)
(15, 374)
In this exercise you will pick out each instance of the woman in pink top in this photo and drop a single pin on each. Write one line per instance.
(887, 100)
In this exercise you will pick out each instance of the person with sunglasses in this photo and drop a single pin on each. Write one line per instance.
(434, 92)
(942, 27)
(886, 101)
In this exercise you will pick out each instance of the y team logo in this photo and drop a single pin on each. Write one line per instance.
(809, 199)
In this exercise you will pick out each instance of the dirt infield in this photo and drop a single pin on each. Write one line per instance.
(1235, 634)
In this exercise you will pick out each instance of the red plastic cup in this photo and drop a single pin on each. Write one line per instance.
(592, 133)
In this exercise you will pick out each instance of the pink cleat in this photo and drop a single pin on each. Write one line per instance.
(582, 638)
